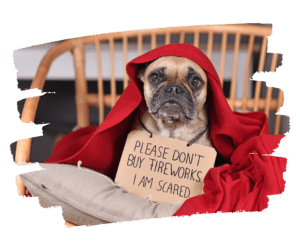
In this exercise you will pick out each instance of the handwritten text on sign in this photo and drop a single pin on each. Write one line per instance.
(163, 168)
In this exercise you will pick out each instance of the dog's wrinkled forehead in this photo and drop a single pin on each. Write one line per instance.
(174, 68)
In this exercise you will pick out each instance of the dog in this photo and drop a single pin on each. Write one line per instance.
(175, 90)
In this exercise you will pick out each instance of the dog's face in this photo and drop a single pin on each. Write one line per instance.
(175, 89)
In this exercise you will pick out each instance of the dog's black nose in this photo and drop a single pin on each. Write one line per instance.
(174, 89)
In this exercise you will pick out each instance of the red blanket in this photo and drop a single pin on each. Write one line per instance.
(247, 175)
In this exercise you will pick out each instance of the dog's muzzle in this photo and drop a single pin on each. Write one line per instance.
(173, 102)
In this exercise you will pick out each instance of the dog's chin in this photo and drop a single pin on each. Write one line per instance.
(171, 112)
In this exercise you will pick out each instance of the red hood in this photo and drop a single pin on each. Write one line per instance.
(240, 138)
(228, 129)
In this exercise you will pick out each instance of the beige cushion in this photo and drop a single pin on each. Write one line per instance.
(88, 197)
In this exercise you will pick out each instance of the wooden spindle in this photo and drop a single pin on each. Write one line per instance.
(69, 225)
(278, 117)
(112, 71)
(168, 38)
(125, 59)
(247, 72)
(181, 37)
(270, 89)
(234, 70)
(260, 68)
(100, 84)
(268, 101)
(20, 186)
(210, 44)
(196, 39)
(139, 44)
(223, 55)
(274, 62)
(82, 107)
(29, 110)
(23, 151)
(153, 41)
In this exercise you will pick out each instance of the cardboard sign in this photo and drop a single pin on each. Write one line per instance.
(165, 169)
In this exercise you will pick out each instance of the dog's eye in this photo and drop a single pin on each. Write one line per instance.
(195, 81)
(154, 77)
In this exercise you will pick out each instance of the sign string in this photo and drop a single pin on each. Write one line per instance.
(192, 141)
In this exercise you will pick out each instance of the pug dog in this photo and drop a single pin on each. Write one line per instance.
(175, 91)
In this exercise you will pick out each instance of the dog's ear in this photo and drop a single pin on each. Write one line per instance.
(142, 70)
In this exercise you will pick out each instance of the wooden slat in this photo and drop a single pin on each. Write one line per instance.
(81, 86)
(210, 44)
(168, 37)
(270, 89)
(125, 59)
(23, 151)
(247, 72)
(260, 68)
(181, 37)
(268, 101)
(278, 117)
(20, 186)
(223, 57)
(234, 70)
(29, 110)
(274, 62)
(196, 39)
(113, 88)
(68, 224)
(153, 41)
(100, 85)
(139, 44)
